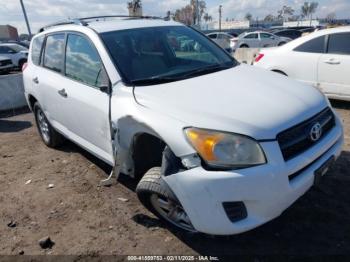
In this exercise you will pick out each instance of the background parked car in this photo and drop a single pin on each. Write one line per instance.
(321, 59)
(224, 40)
(5, 65)
(17, 53)
(290, 33)
(259, 39)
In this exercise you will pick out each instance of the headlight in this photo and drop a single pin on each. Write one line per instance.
(225, 150)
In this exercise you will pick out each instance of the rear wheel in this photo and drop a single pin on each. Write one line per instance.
(281, 44)
(158, 198)
(48, 134)
(244, 46)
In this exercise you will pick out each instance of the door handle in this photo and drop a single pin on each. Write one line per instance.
(332, 62)
(36, 80)
(63, 93)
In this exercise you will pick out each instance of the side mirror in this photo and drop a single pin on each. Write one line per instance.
(105, 89)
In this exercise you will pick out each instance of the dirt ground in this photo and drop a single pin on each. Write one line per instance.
(85, 219)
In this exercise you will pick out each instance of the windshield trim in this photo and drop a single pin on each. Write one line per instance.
(130, 83)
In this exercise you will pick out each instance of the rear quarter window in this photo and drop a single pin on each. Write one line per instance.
(36, 49)
(316, 45)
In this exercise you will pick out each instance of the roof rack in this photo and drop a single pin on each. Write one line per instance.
(75, 21)
(84, 21)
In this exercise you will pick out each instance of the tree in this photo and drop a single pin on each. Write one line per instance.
(207, 18)
(331, 17)
(184, 15)
(269, 18)
(248, 16)
(135, 8)
(285, 11)
(308, 9)
(202, 8)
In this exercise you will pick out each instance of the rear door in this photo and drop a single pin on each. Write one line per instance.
(87, 106)
(252, 40)
(267, 40)
(48, 79)
(303, 61)
(334, 66)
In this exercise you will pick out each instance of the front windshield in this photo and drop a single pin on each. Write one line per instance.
(164, 54)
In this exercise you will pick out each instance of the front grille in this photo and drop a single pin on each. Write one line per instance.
(296, 140)
(5, 62)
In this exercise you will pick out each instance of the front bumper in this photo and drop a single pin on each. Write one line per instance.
(265, 190)
(6, 67)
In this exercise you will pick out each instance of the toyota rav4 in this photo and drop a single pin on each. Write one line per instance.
(217, 146)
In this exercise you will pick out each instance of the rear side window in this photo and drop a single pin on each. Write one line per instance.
(212, 36)
(83, 63)
(339, 44)
(54, 52)
(316, 45)
(265, 36)
(36, 49)
(251, 36)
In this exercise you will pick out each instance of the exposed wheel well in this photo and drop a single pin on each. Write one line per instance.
(32, 101)
(147, 153)
(280, 72)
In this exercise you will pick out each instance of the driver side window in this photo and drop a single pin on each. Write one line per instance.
(83, 63)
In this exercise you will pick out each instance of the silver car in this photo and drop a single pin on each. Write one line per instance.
(224, 40)
(258, 39)
(5, 65)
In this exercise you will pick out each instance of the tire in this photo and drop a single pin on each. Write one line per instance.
(48, 134)
(244, 46)
(281, 44)
(157, 197)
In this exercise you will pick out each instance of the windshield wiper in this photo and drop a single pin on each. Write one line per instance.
(207, 70)
(181, 76)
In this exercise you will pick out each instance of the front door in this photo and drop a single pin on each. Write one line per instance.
(87, 105)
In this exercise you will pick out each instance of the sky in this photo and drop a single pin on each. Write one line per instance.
(42, 12)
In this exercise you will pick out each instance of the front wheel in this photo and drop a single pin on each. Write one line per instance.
(158, 198)
(48, 134)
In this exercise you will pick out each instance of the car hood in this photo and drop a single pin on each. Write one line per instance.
(244, 100)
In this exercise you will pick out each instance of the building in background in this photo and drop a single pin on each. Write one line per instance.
(302, 23)
(226, 25)
(135, 8)
(8, 32)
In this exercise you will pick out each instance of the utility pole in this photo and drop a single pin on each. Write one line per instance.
(26, 19)
(197, 13)
(220, 17)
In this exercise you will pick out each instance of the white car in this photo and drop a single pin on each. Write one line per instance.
(5, 64)
(218, 147)
(17, 53)
(321, 59)
(224, 40)
(258, 39)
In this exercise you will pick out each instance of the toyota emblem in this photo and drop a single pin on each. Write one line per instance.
(316, 132)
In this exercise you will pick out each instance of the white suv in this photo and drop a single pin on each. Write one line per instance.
(218, 147)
